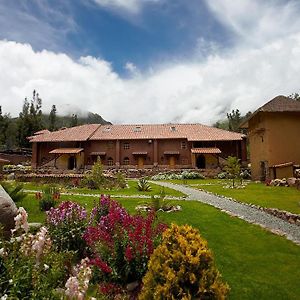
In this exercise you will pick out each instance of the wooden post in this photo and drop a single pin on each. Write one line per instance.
(118, 153)
(155, 153)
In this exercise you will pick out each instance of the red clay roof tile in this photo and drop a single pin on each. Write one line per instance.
(191, 132)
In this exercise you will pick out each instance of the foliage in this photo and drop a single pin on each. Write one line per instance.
(121, 181)
(20, 168)
(182, 267)
(295, 96)
(30, 269)
(233, 167)
(121, 244)
(14, 191)
(95, 179)
(66, 225)
(174, 176)
(192, 175)
(30, 119)
(222, 175)
(143, 185)
(52, 119)
(48, 198)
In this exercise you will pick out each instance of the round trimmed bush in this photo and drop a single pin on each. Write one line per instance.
(182, 267)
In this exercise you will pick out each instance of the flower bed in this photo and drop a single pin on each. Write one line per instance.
(80, 255)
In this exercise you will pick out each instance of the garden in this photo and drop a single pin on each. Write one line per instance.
(100, 247)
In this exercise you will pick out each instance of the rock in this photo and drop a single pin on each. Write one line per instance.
(291, 181)
(8, 210)
(132, 286)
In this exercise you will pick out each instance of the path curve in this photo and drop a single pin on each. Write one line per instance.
(240, 210)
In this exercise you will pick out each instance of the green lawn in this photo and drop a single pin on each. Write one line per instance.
(255, 263)
(284, 198)
(130, 190)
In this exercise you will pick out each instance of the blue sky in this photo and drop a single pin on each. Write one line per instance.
(160, 31)
(148, 61)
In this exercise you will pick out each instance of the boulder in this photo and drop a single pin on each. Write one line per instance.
(8, 210)
(291, 181)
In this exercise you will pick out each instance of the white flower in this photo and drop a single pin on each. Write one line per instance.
(4, 297)
(10, 281)
(46, 267)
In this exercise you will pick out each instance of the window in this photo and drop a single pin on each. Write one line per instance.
(137, 129)
(183, 145)
(173, 128)
(126, 146)
(126, 161)
(110, 161)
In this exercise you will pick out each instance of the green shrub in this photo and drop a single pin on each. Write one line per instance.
(192, 175)
(233, 168)
(174, 176)
(182, 267)
(222, 175)
(48, 198)
(95, 179)
(121, 181)
(143, 185)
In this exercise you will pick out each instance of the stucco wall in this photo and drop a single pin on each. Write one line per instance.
(273, 138)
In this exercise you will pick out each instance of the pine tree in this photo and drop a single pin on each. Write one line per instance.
(52, 119)
(74, 120)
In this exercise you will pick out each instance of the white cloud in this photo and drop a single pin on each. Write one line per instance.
(257, 22)
(129, 6)
(265, 62)
(183, 92)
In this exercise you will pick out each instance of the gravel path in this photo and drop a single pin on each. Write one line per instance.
(242, 211)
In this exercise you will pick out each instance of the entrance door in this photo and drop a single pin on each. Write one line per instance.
(140, 162)
(200, 163)
(72, 163)
(172, 162)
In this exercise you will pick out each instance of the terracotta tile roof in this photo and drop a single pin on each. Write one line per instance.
(140, 153)
(206, 150)
(78, 133)
(98, 153)
(42, 132)
(277, 104)
(171, 152)
(66, 151)
(191, 132)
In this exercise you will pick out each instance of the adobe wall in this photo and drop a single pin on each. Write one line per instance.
(284, 137)
(274, 139)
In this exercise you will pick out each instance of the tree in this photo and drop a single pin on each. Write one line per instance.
(295, 96)
(52, 119)
(74, 120)
(233, 167)
(234, 120)
(30, 119)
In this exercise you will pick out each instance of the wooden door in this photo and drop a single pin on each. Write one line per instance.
(140, 162)
(172, 162)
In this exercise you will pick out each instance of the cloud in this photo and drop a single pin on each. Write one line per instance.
(37, 22)
(129, 6)
(183, 92)
(257, 22)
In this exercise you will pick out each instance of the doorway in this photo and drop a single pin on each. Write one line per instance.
(200, 163)
(140, 162)
(172, 162)
(72, 163)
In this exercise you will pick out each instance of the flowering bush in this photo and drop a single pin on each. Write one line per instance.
(182, 267)
(66, 225)
(122, 244)
(29, 267)
(77, 285)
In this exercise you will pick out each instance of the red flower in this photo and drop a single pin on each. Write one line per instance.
(128, 253)
(101, 265)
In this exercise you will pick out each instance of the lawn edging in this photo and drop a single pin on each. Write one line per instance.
(281, 214)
